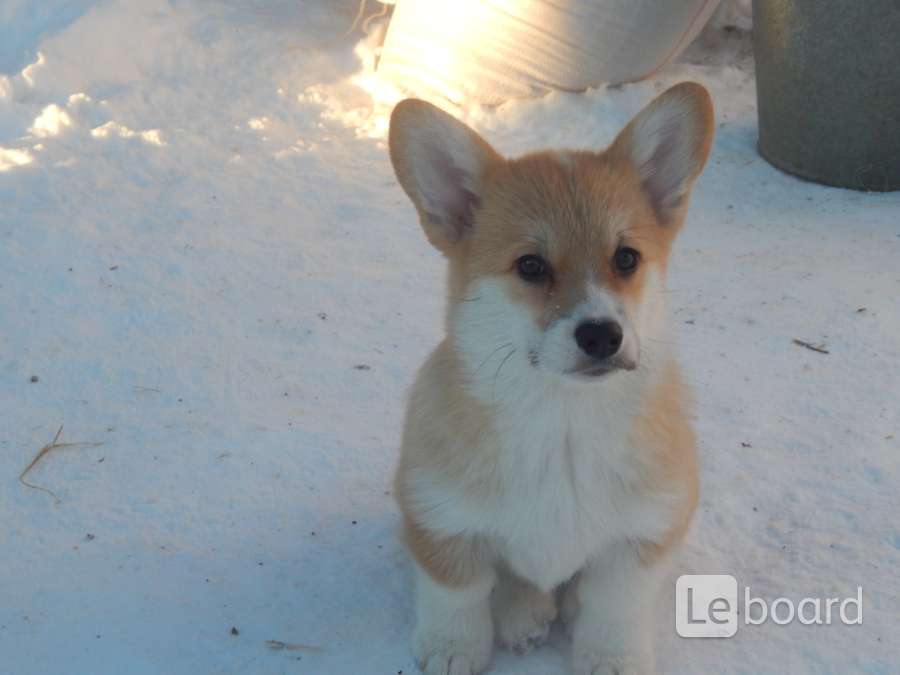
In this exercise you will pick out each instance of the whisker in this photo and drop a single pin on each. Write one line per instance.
(497, 372)
(488, 357)
(463, 299)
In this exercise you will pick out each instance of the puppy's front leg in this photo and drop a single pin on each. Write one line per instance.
(454, 633)
(522, 613)
(613, 631)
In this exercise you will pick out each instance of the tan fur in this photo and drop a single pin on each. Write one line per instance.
(664, 427)
(453, 561)
(447, 432)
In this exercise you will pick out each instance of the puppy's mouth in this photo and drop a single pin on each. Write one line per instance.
(591, 369)
(594, 369)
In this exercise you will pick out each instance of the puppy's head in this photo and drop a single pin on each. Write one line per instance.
(557, 259)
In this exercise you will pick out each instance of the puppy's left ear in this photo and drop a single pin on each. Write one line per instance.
(667, 144)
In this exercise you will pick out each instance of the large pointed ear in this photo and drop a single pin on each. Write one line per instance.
(667, 144)
(440, 163)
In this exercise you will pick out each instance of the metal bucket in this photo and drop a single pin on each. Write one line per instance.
(828, 89)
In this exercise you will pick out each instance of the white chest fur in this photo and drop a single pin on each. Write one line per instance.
(561, 482)
(568, 476)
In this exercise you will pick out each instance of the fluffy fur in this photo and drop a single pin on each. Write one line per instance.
(525, 476)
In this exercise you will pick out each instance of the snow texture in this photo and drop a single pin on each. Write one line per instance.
(208, 266)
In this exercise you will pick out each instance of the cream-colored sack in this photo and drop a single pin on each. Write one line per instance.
(493, 50)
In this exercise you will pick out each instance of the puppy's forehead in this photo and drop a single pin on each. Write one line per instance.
(569, 204)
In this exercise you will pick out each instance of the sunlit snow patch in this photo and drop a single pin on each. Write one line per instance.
(11, 158)
(80, 97)
(29, 71)
(50, 122)
(111, 128)
(363, 102)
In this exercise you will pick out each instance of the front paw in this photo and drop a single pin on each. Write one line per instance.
(444, 663)
(453, 652)
(597, 662)
(523, 621)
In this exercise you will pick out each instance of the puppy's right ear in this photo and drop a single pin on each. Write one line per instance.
(440, 163)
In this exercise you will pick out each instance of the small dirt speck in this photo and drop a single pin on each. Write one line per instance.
(35, 378)
(323, 316)
(89, 537)
(113, 268)
(362, 366)
(235, 631)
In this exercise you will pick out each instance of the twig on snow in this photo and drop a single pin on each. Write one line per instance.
(809, 345)
(278, 645)
(52, 445)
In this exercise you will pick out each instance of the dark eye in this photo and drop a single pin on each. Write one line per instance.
(532, 268)
(626, 260)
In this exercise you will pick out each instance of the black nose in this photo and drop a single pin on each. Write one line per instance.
(599, 340)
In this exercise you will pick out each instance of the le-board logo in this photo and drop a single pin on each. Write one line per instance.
(706, 605)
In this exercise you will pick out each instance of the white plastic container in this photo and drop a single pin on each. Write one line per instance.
(489, 51)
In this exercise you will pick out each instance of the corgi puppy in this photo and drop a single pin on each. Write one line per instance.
(547, 452)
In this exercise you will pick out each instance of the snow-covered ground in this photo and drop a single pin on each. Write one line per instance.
(207, 264)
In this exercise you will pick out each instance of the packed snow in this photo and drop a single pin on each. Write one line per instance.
(211, 281)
